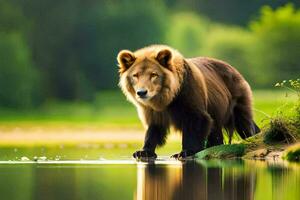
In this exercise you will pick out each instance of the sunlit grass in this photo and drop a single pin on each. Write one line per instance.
(110, 109)
(271, 102)
(108, 114)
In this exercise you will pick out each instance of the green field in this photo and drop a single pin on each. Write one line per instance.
(110, 110)
(107, 126)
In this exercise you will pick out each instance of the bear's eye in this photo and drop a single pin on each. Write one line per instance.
(135, 75)
(154, 75)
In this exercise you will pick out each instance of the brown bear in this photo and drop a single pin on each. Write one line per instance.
(197, 96)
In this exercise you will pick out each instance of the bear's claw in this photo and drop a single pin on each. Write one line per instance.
(144, 154)
(184, 155)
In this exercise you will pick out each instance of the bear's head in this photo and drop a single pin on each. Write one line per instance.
(150, 76)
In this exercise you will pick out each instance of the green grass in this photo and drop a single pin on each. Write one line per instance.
(110, 110)
(268, 103)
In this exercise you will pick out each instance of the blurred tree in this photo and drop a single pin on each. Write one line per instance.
(237, 47)
(18, 76)
(111, 26)
(266, 53)
(278, 42)
(11, 17)
(229, 11)
(52, 43)
(75, 42)
(72, 44)
(187, 32)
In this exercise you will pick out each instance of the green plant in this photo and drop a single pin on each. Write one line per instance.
(285, 126)
(294, 86)
(280, 131)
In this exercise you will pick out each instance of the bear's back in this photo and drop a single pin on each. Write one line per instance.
(220, 73)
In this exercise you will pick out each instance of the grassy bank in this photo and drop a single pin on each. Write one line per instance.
(111, 110)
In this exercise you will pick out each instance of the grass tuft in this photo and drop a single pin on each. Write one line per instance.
(285, 127)
(280, 131)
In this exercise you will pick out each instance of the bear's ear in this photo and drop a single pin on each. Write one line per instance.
(164, 58)
(125, 60)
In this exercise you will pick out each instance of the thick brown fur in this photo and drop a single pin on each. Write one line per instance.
(198, 96)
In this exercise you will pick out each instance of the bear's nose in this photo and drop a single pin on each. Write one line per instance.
(141, 92)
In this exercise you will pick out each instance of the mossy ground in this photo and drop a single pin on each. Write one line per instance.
(254, 148)
(223, 151)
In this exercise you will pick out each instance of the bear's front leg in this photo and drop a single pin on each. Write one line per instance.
(194, 134)
(155, 135)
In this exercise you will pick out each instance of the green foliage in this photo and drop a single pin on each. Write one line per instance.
(294, 86)
(230, 12)
(73, 43)
(108, 28)
(278, 36)
(18, 78)
(285, 126)
(11, 17)
(263, 54)
(76, 43)
(297, 116)
(186, 32)
(235, 46)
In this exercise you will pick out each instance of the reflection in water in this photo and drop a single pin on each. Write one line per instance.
(157, 181)
(122, 180)
(236, 180)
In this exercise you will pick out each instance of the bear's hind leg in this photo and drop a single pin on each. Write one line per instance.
(215, 137)
(243, 121)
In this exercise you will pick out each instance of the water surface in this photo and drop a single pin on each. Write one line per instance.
(83, 174)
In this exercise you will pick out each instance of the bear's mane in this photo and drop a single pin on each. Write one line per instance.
(171, 85)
